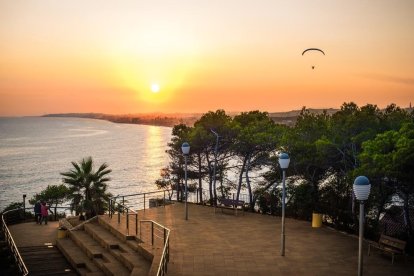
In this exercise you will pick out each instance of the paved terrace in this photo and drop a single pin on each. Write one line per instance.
(212, 243)
(32, 234)
(218, 243)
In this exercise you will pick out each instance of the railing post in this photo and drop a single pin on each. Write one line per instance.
(152, 233)
(55, 212)
(168, 250)
(140, 231)
(144, 202)
(113, 210)
(165, 235)
(136, 224)
(127, 220)
(123, 204)
(164, 199)
(119, 216)
(110, 207)
(24, 206)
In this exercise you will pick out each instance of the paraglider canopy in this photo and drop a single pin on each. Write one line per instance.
(313, 49)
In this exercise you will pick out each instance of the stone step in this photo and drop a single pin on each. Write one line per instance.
(120, 249)
(52, 273)
(77, 258)
(117, 229)
(134, 242)
(100, 234)
(149, 252)
(99, 254)
(111, 266)
(85, 272)
(48, 272)
(45, 260)
(91, 247)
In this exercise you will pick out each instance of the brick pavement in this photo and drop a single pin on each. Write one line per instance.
(32, 234)
(212, 243)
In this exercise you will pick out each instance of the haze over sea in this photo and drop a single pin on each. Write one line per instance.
(34, 150)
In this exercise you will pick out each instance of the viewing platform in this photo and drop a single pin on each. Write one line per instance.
(216, 243)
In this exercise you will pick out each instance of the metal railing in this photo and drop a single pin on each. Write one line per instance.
(122, 208)
(9, 239)
(155, 229)
(161, 232)
(142, 201)
(53, 214)
(157, 232)
(12, 245)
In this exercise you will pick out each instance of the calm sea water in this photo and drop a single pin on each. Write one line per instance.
(34, 150)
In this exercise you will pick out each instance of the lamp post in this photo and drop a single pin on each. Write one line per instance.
(24, 206)
(215, 164)
(186, 150)
(284, 164)
(361, 189)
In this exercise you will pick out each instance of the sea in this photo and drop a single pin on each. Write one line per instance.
(35, 150)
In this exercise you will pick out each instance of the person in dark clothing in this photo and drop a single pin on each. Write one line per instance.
(37, 211)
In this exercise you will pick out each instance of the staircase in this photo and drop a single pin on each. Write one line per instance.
(98, 249)
(7, 265)
(45, 260)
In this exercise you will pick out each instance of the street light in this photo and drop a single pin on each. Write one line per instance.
(215, 164)
(186, 150)
(284, 164)
(24, 206)
(361, 188)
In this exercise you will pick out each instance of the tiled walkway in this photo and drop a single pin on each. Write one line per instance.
(223, 244)
(212, 243)
(32, 234)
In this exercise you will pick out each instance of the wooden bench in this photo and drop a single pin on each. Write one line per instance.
(389, 245)
(228, 203)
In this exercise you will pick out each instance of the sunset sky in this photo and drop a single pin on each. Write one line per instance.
(123, 57)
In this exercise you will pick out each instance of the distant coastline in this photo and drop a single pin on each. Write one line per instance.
(165, 120)
(170, 120)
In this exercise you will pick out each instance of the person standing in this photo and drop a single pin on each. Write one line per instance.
(37, 211)
(44, 212)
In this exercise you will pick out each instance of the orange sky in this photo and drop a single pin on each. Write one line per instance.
(103, 56)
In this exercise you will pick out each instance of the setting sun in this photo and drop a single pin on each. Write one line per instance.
(155, 88)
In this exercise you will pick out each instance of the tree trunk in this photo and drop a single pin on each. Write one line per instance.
(241, 177)
(200, 185)
(249, 188)
(210, 179)
(407, 214)
(221, 184)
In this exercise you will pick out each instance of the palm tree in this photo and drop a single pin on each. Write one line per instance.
(88, 187)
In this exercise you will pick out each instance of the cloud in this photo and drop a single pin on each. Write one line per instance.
(387, 78)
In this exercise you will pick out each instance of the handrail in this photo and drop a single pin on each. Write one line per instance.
(144, 198)
(12, 245)
(165, 257)
(193, 197)
(155, 192)
(114, 206)
(121, 207)
(10, 241)
(129, 211)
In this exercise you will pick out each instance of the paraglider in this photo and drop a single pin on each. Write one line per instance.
(313, 49)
